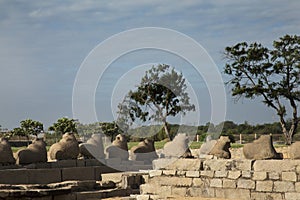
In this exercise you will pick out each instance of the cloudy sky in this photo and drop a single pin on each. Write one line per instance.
(44, 43)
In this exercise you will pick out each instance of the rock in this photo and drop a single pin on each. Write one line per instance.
(261, 149)
(221, 148)
(178, 147)
(144, 151)
(6, 154)
(67, 148)
(34, 153)
(93, 148)
(207, 147)
(118, 149)
(295, 150)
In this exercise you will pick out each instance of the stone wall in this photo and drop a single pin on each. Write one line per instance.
(230, 179)
(65, 170)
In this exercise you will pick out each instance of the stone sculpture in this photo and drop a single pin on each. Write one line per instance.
(67, 148)
(221, 148)
(144, 151)
(93, 148)
(207, 147)
(6, 154)
(261, 149)
(34, 153)
(118, 149)
(178, 147)
(294, 151)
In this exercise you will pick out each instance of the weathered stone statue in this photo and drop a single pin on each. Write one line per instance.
(34, 153)
(118, 149)
(207, 147)
(221, 148)
(295, 150)
(93, 148)
(67, 148)
(144, 151)
(261, 149)
(6, 154)
(178, 147)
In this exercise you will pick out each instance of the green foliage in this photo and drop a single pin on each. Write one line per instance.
(28, 127)
(64, 125)
(161, 93)
(110, 129)
(273, 74)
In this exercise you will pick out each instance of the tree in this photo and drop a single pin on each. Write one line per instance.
(110, 129)
(273, 74)
(161, 93)
(64, 125)
(28, 127)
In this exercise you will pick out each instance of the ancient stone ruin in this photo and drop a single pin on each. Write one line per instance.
(221, 148)
(178, 147)
(66, 148)
(6, 154)
(118, 149)
(144, 151)
(261, 149)
(93, 148)
(34, 153)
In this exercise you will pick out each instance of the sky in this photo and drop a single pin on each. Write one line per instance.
(44, 43)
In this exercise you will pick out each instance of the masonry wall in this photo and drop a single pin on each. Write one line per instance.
(230, 179)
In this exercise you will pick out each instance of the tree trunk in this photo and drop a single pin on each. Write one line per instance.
(167, 131)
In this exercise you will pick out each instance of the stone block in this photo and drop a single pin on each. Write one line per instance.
(245, 184)
(284, 186)
(193, 174)
(78, 173)
(241, 194)
(179, 191)
(275, 165)
(113, 162)
(289, 176)
(259, 176)
(13, 176)
(221, 174)
(169, 172)
(80, 163)
(43, 176)
(178, 164)
(229, 183)
(173, 181)
(65, 196)
(163, 191)
(227, 164)
(297, 187)
(292, 196)
(215, 182)
(234, 174)
(207, 174)
(142, 197)
(264, 186)
(66, 163)
(246, 174)
(93, 162)
(89, 195)
(274, 175)
(115, 177)
(267, 196)
(153, 173)
(180, 173)
(205, 192)
(198, 182)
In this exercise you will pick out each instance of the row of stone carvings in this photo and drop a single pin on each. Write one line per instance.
(68, 148)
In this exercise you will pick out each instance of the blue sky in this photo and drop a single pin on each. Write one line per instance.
(43, 43)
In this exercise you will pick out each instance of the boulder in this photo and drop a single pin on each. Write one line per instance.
(144, 151)
(207, 147)
(261, 149)
(6, 154)
(178, 147)
(93, 148)
(67, 148)
(34, 153)
(221, 148)
(295, 150)
(118, 149)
